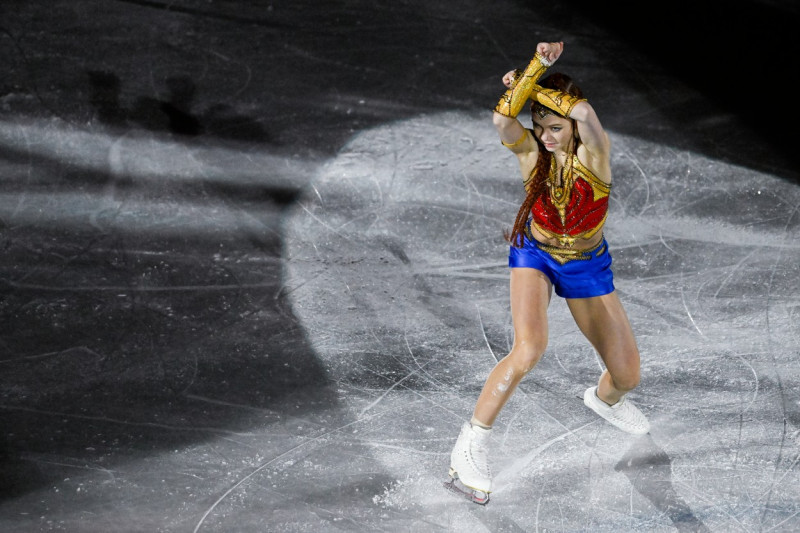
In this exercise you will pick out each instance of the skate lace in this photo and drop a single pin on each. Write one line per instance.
(479, 458)
(627, 414)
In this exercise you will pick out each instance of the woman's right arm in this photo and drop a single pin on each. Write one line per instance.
(516, 138)
(509, 128)
(520, 86)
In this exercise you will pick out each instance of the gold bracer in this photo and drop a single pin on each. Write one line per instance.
(512, 102)
(553, 100)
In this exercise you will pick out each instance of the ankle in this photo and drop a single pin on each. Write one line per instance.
(477, 423)
(611, 401)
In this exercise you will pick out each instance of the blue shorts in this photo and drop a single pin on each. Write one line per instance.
(573, 273)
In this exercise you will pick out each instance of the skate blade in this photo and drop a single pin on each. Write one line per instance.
(475, 496)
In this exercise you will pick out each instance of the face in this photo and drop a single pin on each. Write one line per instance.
(555, 132)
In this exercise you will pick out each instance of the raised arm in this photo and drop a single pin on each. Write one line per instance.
(520, 86)
(593, 137)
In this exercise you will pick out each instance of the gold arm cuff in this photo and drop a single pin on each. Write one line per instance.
(555, 100)
(517, 142)
(512, 102)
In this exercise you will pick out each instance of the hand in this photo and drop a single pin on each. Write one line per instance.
(550, 51)
(509, 77)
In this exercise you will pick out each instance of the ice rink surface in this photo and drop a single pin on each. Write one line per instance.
(254, 275)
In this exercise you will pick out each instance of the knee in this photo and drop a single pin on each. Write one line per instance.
(525, 355)
(627, 381)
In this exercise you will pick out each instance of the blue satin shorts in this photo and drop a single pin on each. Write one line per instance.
(573, 273)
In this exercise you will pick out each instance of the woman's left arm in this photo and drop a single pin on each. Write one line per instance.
(593, 137)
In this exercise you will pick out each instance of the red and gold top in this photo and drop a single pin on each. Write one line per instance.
(575, 209)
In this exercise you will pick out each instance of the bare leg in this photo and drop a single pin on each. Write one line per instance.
(530, 298)
(605, 324)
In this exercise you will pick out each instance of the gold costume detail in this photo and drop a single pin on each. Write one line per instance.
(565, 255)
(560, 186)
(512, 102)
(517, 142)
(554, 100)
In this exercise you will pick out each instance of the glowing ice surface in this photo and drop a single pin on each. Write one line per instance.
(396, 266)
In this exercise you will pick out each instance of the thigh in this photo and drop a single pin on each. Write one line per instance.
(603, 321)
(531, 290)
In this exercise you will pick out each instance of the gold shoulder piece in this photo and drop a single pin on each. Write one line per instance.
(599, 187)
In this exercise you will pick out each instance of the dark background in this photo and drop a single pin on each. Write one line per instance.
(104, 352)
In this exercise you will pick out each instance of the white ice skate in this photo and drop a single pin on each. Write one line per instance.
(469, 466)
(622, 414)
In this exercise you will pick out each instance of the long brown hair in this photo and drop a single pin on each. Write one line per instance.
(541, 171)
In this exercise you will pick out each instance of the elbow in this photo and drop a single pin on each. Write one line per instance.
(501, 122)
(581, 111)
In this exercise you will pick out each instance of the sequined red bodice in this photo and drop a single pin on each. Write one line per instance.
(575, 210)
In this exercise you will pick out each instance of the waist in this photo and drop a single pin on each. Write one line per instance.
(586, 243)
